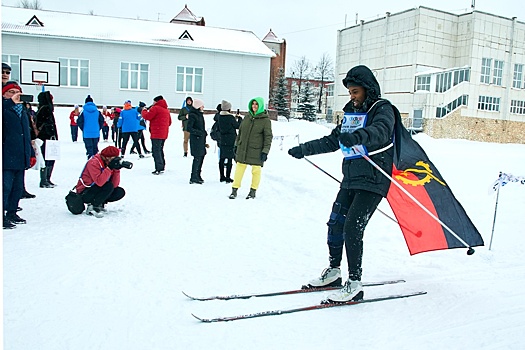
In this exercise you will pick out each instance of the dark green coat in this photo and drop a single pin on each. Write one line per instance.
(255, 136)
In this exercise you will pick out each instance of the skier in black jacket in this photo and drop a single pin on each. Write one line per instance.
(363, 186)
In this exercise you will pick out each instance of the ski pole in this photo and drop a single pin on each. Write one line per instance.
(495, 211)
(417, 234)
(470, 250)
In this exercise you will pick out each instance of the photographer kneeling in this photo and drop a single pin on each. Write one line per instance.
(100, 179)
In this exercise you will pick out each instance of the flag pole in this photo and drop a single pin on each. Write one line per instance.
(470, 249)
(495, 211)
(382, 212)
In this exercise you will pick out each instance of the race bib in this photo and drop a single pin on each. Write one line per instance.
(350, 123)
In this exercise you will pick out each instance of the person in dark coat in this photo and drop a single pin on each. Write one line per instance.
(228, 125)
(47, 130)
(252, 145)
(363, 186)
(197, 129)
(17, 153)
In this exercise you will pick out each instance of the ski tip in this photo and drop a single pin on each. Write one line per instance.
(188, 296)
(205, 320)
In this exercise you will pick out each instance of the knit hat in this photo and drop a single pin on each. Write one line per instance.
(142, 104)
(11, 85)
(225, 105)
(118, 110)
(158, 98)
(76, 106)
(88, 99)
(6, 66)
(197, 103)
(127, 102)
(110, 151)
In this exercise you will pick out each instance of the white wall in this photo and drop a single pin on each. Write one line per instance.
(233, 77)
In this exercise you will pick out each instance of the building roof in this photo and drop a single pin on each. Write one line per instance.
(272, 38)
(187, 16)
(124, 30)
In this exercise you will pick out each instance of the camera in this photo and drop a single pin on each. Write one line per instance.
(26, 98)
(118, 163)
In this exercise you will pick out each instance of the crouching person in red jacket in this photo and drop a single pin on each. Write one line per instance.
(100, 179)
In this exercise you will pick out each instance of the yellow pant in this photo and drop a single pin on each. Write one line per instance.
(239, 173)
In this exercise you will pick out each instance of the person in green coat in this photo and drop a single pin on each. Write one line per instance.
(183, 116)
(252, 145)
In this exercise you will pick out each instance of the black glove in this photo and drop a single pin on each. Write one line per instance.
(348, 139)
(115, 163)
(296, 152)
(264, 156)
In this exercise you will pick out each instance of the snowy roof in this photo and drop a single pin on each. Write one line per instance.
(187, 16)
(114, 29)
(271, 37)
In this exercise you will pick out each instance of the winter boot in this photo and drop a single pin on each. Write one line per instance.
(95, 211)
(8, 224)
(43, 179)
(49, 172)
(251, 194)
(330, 277)
(14, 218)
(352, 290)
(234, 193)
(27, 195)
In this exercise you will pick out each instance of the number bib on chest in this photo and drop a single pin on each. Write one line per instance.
(350, 123)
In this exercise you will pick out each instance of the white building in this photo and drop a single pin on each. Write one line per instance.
(115, 59)
(430, 63)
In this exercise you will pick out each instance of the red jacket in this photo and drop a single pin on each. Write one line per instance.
(97, 172)
(160, 120)
(72, 116)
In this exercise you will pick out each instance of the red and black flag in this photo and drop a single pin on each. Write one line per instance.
(415, 173)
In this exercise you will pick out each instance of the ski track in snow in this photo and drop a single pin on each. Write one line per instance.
(79, 282)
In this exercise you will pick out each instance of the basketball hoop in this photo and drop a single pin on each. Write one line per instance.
(39, 85)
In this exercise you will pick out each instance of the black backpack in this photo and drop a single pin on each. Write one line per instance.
(215, 133)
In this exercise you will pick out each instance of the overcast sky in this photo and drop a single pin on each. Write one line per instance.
(309, 27)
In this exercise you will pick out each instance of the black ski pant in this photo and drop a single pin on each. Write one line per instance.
(98, 196)
(125, 138)
(142, 141)
(157, 148)
(351, 212)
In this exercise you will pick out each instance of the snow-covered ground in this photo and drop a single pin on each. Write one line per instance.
(79, 282)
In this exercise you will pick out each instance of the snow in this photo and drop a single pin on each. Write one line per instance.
(80, 282)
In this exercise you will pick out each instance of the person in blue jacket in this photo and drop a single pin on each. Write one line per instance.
(90, 121)
(17, 153)
(129, 122)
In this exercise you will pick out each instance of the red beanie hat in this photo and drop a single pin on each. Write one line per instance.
(11, 85)
(110, 151)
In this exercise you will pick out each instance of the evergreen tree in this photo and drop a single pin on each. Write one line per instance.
(280, 96)
(305, 103)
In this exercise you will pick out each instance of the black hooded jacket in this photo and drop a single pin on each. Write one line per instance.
(375, 135)
(45, 119)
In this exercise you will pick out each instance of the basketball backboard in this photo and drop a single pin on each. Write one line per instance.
(34, 72)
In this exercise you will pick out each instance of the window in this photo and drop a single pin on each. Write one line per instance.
(330, 90)
(74, 72)
(498, 72)
(423, 82)
(486, 63)
(517, 107)
(518, 75)
(189, 79)
(14, 62)
(461, 75)
(489, 103)
(460, 101)
(134, 76)
(443, 81)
